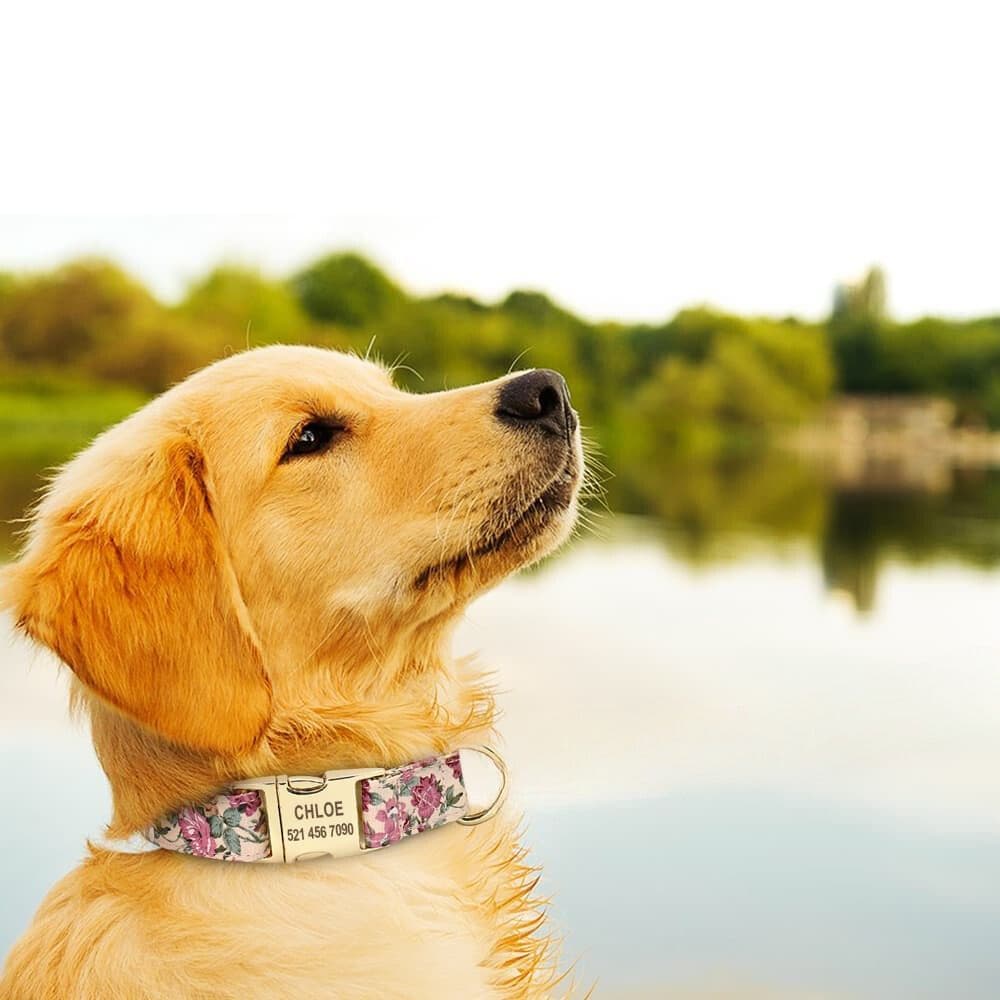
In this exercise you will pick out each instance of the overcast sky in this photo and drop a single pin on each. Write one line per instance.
(627, 158)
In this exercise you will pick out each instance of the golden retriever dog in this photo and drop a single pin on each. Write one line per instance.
(258, 574)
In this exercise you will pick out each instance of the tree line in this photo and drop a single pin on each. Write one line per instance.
(701, 383)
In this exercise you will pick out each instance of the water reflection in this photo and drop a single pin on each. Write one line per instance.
(709, 512)
(864, 528)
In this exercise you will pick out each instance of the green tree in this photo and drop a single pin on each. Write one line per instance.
(63, 317)
(240, 299)
(345, 288)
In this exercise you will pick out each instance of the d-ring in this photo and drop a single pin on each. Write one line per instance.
(482, 815)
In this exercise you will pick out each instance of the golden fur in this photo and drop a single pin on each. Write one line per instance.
(229, 613)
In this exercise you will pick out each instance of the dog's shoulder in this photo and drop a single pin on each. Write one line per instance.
(421, 922)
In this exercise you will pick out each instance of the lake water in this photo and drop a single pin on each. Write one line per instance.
(771, 772)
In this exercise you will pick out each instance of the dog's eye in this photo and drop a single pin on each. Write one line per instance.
(310, 438)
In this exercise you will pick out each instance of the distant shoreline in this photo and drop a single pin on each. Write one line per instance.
(902, 442)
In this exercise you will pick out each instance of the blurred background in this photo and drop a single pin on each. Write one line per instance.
(753, 709)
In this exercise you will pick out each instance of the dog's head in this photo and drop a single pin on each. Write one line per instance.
(280, 508)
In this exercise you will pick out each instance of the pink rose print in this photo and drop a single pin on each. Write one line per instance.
(231, 826)
(426, 797)
(411, 799)
(196, 831)
(246, 802)
(389, 817)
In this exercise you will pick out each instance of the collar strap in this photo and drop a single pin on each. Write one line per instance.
(337, 814)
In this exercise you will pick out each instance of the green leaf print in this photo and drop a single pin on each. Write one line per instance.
(232, 839)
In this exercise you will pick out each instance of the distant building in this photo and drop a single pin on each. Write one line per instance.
(865, 299)
(895, 442)
(899, 421)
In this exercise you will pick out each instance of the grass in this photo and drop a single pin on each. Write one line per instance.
(58, 418)
(44, 421)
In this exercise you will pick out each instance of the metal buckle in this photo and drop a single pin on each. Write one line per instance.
(482, 815)
(314, 816)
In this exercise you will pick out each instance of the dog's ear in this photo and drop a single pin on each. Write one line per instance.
(126, 580)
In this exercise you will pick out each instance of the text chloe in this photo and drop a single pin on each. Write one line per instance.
(313, 810)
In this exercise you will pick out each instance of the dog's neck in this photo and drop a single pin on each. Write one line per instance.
(406, 700)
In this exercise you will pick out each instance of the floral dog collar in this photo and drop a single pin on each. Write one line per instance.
(336, 814)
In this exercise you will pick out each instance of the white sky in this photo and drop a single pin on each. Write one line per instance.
(627, 158)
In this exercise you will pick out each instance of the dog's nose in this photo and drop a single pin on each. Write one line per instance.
(539, 398)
